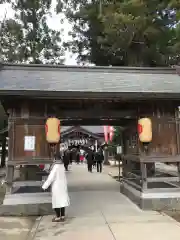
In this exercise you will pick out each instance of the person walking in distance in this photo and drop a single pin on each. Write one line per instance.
(78, 156)
(99, 159)
(66, 159)
(90, 159)
(81, 156)
(60, 198)
(70, 157)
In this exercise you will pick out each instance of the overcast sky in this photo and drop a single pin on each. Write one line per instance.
(53, 22)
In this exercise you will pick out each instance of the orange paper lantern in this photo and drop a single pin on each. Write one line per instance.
(52, 129)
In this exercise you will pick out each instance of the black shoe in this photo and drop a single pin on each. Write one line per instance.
(62, 219)
(56, 219)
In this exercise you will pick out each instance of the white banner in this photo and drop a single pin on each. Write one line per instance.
(29, 143)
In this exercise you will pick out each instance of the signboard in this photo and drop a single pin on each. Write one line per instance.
(119, 149)
(29, 143)
(77, 142)
(73, 142)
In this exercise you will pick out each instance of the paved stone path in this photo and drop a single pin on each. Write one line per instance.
(99, 211)
(12, 228)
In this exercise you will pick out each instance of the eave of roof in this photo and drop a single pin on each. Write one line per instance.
(74, 68)
(70, 95)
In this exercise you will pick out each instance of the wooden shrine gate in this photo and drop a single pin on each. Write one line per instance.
(99, 96)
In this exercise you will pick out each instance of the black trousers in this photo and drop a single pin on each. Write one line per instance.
(99, 166)
(66, 166)
(60, 212)
(89, 167)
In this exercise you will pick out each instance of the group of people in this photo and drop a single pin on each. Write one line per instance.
(94, 159)
(58, 182)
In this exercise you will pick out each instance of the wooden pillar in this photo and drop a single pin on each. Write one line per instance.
(177, 116)
(144, 176)
(178, 168)
(9, 178)
(106, 160)
(150, 169)
(3, 153)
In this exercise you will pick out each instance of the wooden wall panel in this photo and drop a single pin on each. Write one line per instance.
(164, 137)
(131, 139)
(165, 131)
(41, 146)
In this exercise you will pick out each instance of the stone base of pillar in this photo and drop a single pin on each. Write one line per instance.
(27, 199)
(157, 200)
(27, 204)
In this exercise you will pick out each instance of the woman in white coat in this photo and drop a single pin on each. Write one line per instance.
(60, 197)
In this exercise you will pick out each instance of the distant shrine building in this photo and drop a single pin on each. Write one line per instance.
(140, 100)
(81, 136)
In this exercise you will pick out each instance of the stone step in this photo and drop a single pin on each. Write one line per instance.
(27, 204)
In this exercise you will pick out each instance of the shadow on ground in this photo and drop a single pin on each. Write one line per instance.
(173, 214)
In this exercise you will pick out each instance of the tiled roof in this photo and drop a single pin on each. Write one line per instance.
(88, 79)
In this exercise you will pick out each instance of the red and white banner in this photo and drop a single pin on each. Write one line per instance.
(111, 133)
(106, 134)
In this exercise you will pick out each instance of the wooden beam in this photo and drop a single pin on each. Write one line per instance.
(95, 122)
(96, 114)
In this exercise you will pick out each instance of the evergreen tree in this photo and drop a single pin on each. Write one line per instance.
(125, 32)
(28, 38)
(117, 135)
(10, 37)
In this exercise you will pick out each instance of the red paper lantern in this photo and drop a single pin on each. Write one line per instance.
(145, 130)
